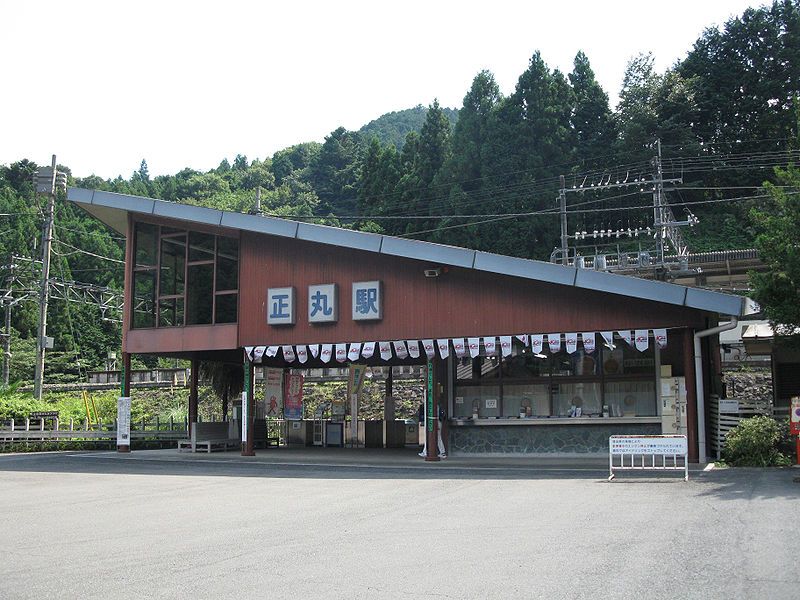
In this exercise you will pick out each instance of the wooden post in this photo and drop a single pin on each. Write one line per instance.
(691, 393)
(125, 392)
(248, 447)
(193, 395)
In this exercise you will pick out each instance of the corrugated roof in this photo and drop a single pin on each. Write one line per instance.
(113, 208)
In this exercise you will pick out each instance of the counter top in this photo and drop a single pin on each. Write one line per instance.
(464, 422)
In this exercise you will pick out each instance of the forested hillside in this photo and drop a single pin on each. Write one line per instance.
(486, 178)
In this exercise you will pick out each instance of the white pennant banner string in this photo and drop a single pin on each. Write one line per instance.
(413, 348)
(459, 347)
(341, 352)
(627, 336)
(474, 346)
(588, 341)
(608, 338)
(490, 344)
(386, 350)
(571, 342)
(444, 348)
(314, 350)
(660, 336)
(302, 354)
(327, 353)
(368, 350)
(288, 354)
(554, 342)
(430, 348)
(642, 340)
(271, 351)
(258, 353)
(522, 337)
(400, 349)
(537, 341)
(354, 352)
(505, 345)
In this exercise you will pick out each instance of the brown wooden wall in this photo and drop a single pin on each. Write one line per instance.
(459, 303)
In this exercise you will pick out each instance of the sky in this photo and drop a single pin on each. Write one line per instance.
(106, 84)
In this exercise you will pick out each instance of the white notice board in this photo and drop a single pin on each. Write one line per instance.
(647, 444)
(124, 421)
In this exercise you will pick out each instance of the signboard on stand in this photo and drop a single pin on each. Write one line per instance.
(273, 392)
(794, 416)
(124, 421)
(293, 398)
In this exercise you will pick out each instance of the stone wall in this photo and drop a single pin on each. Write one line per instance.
(750, 384)
(542, 439)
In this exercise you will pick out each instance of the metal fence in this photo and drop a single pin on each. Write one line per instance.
(44, 429)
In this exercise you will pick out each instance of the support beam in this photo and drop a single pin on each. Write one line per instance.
(431, 411)
(691, 393)
(248, 410)
(125, 392)
(193, 381)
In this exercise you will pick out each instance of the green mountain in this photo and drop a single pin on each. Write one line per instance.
(393, 127)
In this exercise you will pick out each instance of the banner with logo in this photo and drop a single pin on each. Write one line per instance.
(293, 398)
(273, 392)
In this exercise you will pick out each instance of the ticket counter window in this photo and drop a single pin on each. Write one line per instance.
(581, 399)
(529, 400)
(480, 400)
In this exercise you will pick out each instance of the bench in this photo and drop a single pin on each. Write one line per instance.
(207, 437)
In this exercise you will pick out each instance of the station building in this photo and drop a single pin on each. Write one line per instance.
(521, 356)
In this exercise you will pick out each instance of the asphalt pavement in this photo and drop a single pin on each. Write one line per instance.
(344, 523)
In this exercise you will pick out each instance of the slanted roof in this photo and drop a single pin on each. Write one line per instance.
(113, 210)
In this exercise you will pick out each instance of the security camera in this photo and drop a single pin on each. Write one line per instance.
(433, 272)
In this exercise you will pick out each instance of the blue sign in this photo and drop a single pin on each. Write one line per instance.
(281, 306)
(367, 301)
(323, 303)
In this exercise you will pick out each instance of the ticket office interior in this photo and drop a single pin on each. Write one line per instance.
(610, 382)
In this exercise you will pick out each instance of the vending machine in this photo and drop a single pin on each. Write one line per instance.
(673, 405)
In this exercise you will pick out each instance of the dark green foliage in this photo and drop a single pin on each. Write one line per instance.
(392, 128)
(754, 443)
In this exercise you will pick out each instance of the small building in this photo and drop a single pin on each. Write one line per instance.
(522, 356)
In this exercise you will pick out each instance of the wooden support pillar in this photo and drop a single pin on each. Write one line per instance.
(248, 418)
(125, 392)
(432, 398)
(691, 393)
(193, 380)
(388, 402)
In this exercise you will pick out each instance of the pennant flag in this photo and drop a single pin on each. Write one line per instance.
(444, 348)
(505, 345)
(522, 337)
(474, 345)
(588, 341)
(459, 347)
(490, 344)
(642, 340)
(537, 341)
(554, 342)
(430, 348)
(271, 351)
(314, 350)
(413, 348)
(627, 336)
(608, 338)
(571, 342)
(248, 352)
(302, 353)
(288, 354)
(400, 349)
(386, 350)
(327, 352)
(258, 353)
(341, 352)
(354, 352)
(368, 350)
(661, 337)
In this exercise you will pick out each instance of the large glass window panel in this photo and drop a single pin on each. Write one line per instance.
(577, 364)
(144, 295)
(524, 366)
(584, 395)
(201, 246)
(199, 294)
(227, 264)
(624, 359)
(173, 265)
(145, 245)
(481, 399)
(170, 312)
(226, 308)
(478, 368)
(518, 399)
(631, 398)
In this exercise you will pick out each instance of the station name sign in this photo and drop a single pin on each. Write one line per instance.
(323, 303)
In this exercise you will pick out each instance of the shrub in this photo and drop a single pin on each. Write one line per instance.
(754, 443)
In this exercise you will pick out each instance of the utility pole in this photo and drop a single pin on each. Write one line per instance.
(7, 300)
(659, 220)
(45, 182)
(562, 200)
